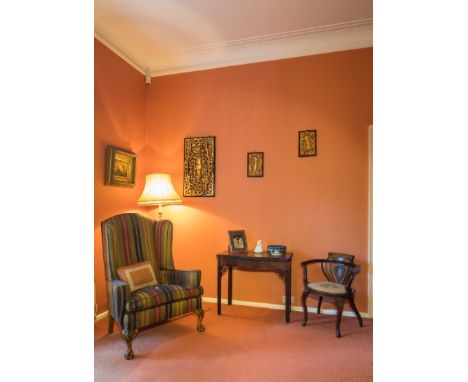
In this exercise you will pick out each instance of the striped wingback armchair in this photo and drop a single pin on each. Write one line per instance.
(129, 239)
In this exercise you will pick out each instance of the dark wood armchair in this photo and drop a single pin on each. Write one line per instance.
(339, 270)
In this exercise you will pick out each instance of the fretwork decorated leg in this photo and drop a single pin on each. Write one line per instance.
(304, 307)
(110, 324)
(356, 311)
(319, 304)
(339, 305)
(200, 315)
(129, 354)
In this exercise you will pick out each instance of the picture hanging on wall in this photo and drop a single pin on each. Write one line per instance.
(255, 164)
(120, 167)
(199, 166)
(307, 143)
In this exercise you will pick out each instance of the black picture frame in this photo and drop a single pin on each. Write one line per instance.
(237, 241)
(200, 166)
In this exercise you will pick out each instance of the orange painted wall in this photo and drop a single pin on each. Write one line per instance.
(313, 205)
(119, 120)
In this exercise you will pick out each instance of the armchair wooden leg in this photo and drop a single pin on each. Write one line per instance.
(319, 304)
(129, 354)
(304, 307)
(339, 305)
(110, 324)
(355, 310)
(200, 316)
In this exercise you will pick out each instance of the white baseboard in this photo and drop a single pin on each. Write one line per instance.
(101, 316)
(346, 313)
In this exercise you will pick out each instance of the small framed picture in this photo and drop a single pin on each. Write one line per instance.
(255, 164)
(237, 241)
(120, 167)
(307, 143)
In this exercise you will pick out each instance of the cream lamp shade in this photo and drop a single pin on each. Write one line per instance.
(158, 191)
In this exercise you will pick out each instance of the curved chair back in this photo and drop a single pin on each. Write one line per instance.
(339, 272)
(163, 243)
(341, 256)
(127, 239)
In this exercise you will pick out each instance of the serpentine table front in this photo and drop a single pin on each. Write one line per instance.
(258, 262)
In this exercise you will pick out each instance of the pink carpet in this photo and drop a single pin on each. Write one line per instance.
(243, 344)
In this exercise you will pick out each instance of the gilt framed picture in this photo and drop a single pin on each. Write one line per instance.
(237, 241)
(307, 143)
(255, 164)
(199, 166)
(120, 167)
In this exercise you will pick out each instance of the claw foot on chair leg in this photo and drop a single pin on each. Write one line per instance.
(129, 354)
(200, 315)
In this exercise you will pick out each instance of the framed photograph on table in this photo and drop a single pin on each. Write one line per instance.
(237, 241)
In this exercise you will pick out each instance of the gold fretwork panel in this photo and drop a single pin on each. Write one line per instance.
(255, 164)
(199, 166)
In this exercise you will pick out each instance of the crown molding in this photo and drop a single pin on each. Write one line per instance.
(303, 42)
(119, 53)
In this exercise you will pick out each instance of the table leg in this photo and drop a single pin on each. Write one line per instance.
(287, 283)
(220, 273)
(229, 285)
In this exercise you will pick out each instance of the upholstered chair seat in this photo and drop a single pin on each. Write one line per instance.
(153, 296)
(328, 287)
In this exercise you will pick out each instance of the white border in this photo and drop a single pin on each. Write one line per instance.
(294, 308)
(101, 316)
(304, 42)
(119, 53)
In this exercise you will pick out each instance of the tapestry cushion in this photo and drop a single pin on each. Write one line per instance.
(138, 275)
(161, 294)
(328, 287)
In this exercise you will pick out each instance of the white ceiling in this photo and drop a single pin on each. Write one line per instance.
(171, 36)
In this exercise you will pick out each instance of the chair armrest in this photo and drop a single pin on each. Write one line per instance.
(119, 294)
(304, 265)
(355, 269)
(182, 277)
